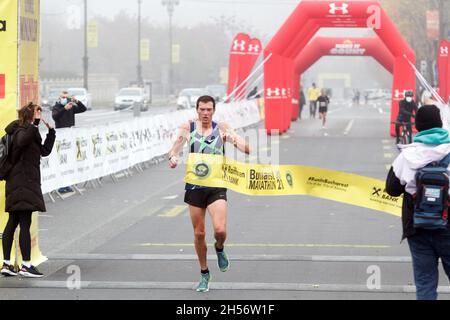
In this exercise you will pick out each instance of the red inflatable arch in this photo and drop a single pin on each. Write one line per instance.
(328, 46)
(297, 31)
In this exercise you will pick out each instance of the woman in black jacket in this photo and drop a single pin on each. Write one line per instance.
(23, 185)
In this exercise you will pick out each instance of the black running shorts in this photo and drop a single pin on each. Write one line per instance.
(202, 198)
(323, 109)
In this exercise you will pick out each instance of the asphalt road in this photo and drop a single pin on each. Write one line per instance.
(133, 239)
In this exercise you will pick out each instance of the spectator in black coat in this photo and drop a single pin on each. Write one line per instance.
(23, 185)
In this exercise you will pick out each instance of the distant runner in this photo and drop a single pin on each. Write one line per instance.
(323, 102)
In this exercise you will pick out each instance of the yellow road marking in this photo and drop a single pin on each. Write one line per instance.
(174, 212)
(388, 167)
(389, 155)
(273, 245)
(386, 141)
(387, 147)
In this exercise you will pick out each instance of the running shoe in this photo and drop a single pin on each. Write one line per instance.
(31, 272)
(203, 285)
(8, 270)
(222, 260)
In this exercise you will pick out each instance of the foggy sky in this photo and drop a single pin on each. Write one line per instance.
(265, 16)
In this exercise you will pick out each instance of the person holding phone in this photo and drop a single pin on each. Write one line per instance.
(23, 192)
(65, 109)
(64, 115)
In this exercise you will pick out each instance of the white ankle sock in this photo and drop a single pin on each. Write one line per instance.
(27, 264)
(8, 262)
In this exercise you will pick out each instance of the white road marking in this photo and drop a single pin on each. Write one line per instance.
(229, 286)
(349, 127)
(171, 197)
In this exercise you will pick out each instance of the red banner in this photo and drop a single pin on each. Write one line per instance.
(237, 56)
(2, 86)
(444, 70)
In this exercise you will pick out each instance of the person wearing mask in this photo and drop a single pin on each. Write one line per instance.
(407, 110)
(431, 146)
(64, 115)
(65, 110)
(23, 185)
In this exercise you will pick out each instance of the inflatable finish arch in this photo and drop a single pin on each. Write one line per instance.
(348, 47)
(297, 31)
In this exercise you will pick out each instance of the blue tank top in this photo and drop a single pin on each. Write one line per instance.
(212, 144)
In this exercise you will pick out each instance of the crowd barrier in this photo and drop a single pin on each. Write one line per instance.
(87, 154)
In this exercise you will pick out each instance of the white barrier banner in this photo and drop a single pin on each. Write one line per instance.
(84, 154)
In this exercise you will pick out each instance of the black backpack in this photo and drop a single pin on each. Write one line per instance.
(5, 156)
(431, 202)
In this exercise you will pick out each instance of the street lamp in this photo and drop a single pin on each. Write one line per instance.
(170, 4)
(85, 58)
(139, 66)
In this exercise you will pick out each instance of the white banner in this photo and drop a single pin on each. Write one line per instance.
(84, 154)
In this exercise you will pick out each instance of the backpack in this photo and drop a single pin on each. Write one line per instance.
(431, 200)
(5, 151)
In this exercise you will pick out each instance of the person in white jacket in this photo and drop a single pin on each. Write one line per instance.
(431, 144)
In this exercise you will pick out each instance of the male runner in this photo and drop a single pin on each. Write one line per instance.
(208, 137)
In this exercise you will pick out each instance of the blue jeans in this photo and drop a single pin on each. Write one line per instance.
(426, 247)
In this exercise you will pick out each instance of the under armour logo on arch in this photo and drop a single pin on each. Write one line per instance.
(273, 92)
(343, 8)
(399, 94)
(278, 93)
(444, 50)
(253, 48)
(239, 45)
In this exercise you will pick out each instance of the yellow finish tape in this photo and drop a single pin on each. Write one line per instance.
(284, 180)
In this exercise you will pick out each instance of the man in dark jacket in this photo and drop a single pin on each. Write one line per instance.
(64, 115)
(407, 109)
(431, 144)
(65, 109)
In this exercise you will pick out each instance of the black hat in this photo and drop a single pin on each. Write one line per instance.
(428, 117)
